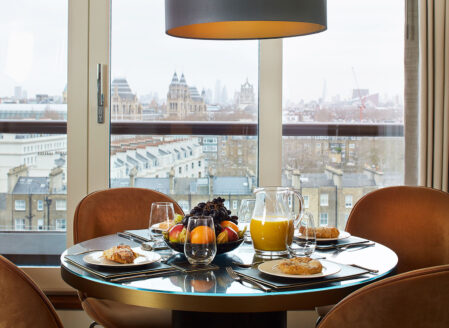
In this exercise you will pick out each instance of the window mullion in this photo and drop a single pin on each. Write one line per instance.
(270, 112)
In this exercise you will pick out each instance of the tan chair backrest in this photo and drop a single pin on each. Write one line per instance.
(418, 298)
(22, 303)
(110, 211)
(412, 221)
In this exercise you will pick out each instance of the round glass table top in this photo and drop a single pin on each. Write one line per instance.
(217, 283)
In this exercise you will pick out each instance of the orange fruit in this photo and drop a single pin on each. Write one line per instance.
(202, 235)
(230, 224)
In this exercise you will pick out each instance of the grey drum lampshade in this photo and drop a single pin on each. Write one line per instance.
(244, 19)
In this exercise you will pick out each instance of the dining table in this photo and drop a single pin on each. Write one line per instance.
(212, 295)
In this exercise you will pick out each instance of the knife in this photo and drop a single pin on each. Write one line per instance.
(337, 246)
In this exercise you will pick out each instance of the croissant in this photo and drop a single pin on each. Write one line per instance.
(300, 266)
(322, 232)
(120, 254)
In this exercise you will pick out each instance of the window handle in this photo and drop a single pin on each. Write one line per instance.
(100, 95)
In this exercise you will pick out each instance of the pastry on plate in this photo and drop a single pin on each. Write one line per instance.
(300, 266)
(120, 254)
(322, 232)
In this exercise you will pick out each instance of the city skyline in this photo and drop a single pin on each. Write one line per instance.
(329, 58)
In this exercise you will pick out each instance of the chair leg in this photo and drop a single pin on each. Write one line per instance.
(93, 324)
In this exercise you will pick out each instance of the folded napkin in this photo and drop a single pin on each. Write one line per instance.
(279, 283)
(115, 272)
(323, 245)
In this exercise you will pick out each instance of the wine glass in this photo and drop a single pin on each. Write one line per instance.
(304, 244)
(161, 217)
(245, 215)
(200, 245)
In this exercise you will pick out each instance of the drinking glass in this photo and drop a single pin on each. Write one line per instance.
(245, 214)
(161, 217)
(304, 243)
(200, 246)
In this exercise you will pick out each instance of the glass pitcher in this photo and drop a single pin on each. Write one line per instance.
(273, 220)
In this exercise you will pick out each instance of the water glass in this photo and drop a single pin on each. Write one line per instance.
(304, 243)
(245, 214)
(200, 246)
(162, 216)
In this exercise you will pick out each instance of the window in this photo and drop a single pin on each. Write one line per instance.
(61, 205)
(40, 224)
(60, 224)
(33, 80)
(40, 205)
(19, 224)
(306, 201)
(348, 201)
(19, 205)
(235, 204)
(323, 220)
(331, 82)
(324, 199)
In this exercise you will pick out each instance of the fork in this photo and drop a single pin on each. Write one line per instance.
(236, 277)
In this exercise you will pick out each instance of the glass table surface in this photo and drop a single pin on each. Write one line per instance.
(219, 283)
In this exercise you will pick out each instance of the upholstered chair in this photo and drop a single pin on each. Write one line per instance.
(107, 212)
(418, 298)
(412, 221)
(22, 303)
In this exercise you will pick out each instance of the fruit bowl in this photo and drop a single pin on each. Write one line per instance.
(221, 248)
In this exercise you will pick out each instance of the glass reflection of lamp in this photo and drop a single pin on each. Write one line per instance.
(244, 19)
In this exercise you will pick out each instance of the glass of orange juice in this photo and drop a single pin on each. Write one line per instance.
(274, 219)
(200, 245)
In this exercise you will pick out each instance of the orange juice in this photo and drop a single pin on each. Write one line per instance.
(270, 234)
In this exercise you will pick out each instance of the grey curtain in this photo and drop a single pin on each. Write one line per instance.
(434, 94)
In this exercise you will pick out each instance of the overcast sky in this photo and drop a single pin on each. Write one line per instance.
(364, 36)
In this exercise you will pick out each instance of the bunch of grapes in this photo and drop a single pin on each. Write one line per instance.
(216, 210)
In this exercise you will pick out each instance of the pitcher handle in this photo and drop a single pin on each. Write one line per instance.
(301, 206)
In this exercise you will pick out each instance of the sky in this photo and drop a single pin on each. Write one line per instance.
(363, 47)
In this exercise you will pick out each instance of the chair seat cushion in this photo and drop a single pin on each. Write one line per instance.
(112, 314)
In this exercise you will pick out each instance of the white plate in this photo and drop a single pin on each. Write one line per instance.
(96, 258)
(342, 235)
(271, 268)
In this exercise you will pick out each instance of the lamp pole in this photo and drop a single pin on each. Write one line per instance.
(48, 202)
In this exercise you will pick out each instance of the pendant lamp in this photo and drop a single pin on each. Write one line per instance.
(244, 19)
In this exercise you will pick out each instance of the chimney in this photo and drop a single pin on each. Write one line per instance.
(250, 177)
(335, 174)
(56, 180)
(211, 183)
(171, 176)
(374, 174)
(132, 177)
(296, 179)
(14, 174)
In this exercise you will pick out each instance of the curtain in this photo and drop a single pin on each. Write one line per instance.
(434, 94)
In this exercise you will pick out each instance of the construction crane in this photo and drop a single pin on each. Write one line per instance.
(362, 106)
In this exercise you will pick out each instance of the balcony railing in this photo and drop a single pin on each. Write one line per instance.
(212, 128)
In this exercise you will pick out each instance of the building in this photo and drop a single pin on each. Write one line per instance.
(246, 96)
(124, 103)
(184, 100)
(330, 195)
(157, 158)
(36, 203)
(38, 152)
